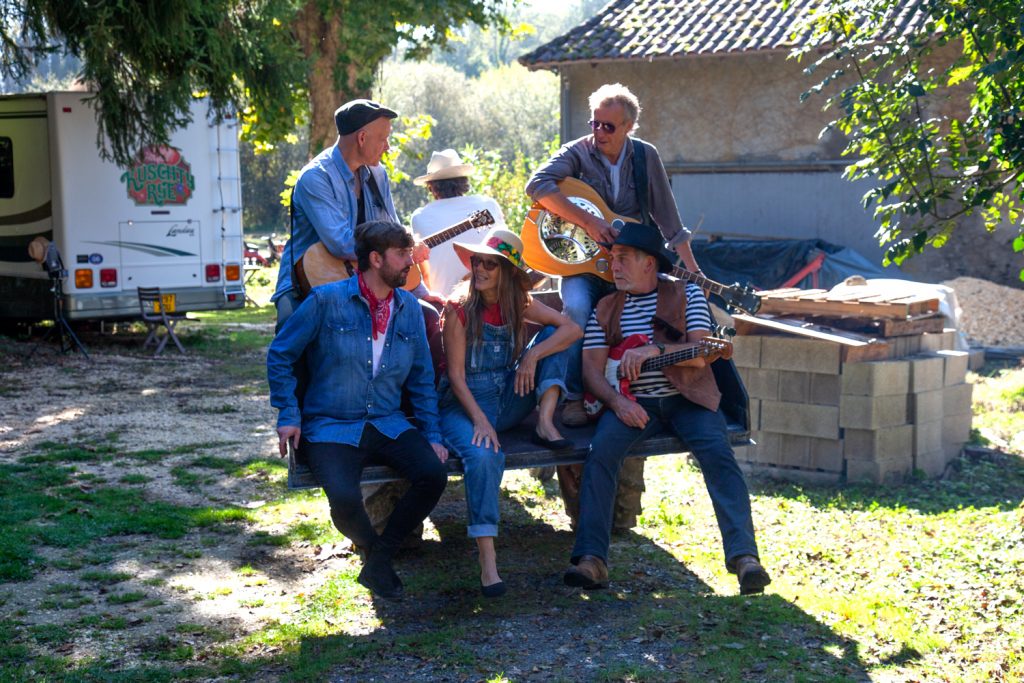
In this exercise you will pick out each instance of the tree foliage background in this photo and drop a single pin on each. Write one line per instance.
(934, 113)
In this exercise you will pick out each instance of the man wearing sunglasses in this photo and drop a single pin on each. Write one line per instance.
(604, 160)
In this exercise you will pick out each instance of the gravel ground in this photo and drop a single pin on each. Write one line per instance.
(991, 314)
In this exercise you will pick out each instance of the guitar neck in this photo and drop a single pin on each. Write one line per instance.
(449, 233)
(701, 281)
(673, 357)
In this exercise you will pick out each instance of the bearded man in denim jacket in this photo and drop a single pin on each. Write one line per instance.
(365, 342)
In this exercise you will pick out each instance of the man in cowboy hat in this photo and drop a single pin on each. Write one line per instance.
(447, 179)
(683, 398)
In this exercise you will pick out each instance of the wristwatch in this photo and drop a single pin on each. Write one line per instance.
(661, 348)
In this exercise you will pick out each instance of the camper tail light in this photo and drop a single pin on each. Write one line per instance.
(213, 272)
(83, 278)
(233, 271)
(108, 277)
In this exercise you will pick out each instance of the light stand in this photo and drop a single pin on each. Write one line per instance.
(54, 266)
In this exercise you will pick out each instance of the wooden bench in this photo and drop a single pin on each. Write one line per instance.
(521, 453)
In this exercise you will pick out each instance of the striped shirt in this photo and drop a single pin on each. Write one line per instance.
(638, 318)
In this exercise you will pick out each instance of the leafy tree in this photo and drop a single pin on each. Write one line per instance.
(934, 111)
(147, 59)
(277, 61)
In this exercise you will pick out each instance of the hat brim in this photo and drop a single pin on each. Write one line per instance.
(457, 171)
(464, 251)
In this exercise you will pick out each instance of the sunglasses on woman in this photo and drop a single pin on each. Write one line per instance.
(602, 125)
(488, 264)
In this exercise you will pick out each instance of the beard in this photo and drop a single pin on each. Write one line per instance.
(394, 278)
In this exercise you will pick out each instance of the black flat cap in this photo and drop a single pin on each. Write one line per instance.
(353, 115)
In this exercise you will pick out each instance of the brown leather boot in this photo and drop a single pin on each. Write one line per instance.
(589, 573)
(752, 576)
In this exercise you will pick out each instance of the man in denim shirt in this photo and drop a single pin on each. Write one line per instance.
(365, 342)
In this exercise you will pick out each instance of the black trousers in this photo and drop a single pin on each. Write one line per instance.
(338, 467)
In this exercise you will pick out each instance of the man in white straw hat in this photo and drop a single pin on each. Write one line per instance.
(447, 179)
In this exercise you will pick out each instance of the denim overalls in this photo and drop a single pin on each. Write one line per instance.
(490, 376)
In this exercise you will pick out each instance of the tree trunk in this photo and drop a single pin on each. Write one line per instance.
(330, 82)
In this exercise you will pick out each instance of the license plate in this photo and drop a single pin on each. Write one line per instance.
(168, 302)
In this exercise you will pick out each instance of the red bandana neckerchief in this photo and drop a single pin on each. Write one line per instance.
(380, 309)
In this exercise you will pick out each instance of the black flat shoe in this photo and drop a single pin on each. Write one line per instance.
(552, 444)
(495, 590)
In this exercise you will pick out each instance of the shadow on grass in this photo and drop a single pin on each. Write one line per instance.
(657, 622)
(992, 481)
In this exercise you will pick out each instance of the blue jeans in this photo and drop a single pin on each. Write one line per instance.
(580, 293)
(704, 433)
(494, 391)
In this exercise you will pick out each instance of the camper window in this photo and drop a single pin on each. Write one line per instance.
(6, 168)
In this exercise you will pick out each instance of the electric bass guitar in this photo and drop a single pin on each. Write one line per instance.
(554, 246)
(711, 348)
(318, 266)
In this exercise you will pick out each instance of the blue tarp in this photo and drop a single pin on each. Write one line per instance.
(766, 264)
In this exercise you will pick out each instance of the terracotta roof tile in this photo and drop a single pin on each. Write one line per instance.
(660, 29)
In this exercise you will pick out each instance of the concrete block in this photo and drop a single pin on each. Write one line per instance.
(905, 346)
(880, 378)
(765, 448)
(746, 351)
(956, 429)
(933, 463)
(794, 387)
(878, 471)
(927, 373)
(793, 450)
(926, 406)
(927, 437)
(760, 383)
(878, 444)
(755, 414)
(825, 454)
(956, 366)
(872, 412)
(825, 389)
(801, 419)
(975, 359)
(938, 341)
(802, 355)
(956, 399)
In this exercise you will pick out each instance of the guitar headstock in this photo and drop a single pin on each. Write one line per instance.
(481, 218)
(742, 297)
(713, 346)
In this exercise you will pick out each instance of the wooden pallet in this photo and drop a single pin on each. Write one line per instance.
(872, 303)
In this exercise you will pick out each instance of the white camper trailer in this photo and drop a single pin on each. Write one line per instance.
(172, 220)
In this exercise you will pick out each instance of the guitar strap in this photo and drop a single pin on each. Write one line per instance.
(640, 179)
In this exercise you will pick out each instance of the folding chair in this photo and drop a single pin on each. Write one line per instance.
(155, 314)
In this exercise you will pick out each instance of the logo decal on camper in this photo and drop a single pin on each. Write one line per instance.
(158, 177)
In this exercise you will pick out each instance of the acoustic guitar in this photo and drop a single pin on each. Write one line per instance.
(711, 348)
(318, 266)
(554, 246)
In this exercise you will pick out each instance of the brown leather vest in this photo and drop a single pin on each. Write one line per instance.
(696, 384)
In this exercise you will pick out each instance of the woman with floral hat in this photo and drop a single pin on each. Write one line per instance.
(495, 377)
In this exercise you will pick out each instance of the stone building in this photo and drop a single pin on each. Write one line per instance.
(721, 101)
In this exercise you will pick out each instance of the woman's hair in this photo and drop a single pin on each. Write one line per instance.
(512, 300)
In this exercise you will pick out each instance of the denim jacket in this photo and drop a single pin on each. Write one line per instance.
(333, 327)
(326, 207)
